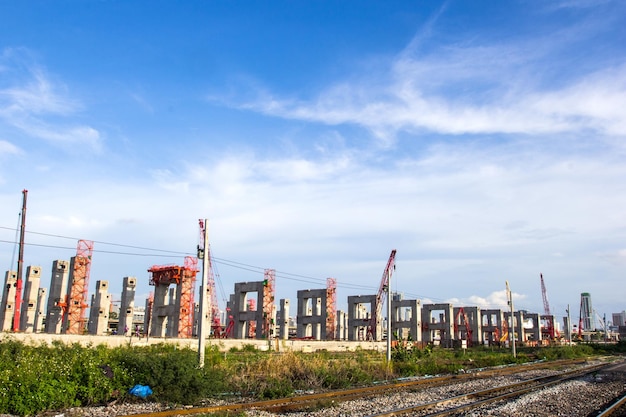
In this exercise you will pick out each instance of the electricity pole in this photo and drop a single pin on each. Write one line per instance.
(509, 295)
(203, 254)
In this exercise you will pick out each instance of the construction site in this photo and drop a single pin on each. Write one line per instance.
(252, 311)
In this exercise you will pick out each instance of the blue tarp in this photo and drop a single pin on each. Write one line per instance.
(140, 391)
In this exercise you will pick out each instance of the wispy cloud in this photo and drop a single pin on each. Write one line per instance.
(32, 103)
(470, 87)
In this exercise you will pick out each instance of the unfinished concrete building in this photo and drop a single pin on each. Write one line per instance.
(467, 325)
(57, 296)
(29, 299)
(491, 324)
(100, 306)
(247, 320)
(438, 324)
(532, 328)
(172, 311)
(406, 318)
(516, 327)
(7, 308)
(312, 315)
(363, 322)
(127, 305)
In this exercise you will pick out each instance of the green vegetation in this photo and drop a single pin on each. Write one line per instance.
(38, 378)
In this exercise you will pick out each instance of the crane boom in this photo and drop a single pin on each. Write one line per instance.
(384, 282)
(20, 262)
(544, 295)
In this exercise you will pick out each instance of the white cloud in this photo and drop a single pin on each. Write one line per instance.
(31, 102)
(469, 88)
(7, 148)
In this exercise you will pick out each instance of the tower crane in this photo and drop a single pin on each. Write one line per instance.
(384, 286)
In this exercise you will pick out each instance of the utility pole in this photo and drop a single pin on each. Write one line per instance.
(20, 263)
(569, 326)
(203, 254)
(509, 295)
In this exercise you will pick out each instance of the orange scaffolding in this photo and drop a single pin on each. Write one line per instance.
(268, 303)
(76, 304)
(185, 277)
(331, 308)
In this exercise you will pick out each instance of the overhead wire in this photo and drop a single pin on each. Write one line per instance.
(164, 253)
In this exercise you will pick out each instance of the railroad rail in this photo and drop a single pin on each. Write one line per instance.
(618, 408)
(480, 398)
(320, 399)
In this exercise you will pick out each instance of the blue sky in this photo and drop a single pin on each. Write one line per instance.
(485, 141)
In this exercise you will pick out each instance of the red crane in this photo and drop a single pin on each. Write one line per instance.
(546, 309)
(20, 262)
(384, 284)
(462, 319)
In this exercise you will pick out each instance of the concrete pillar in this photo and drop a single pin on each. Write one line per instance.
(40, 315)
(340, 331)
(29, 299)
(518, 325)
(362, 323)
(127, 305)
(312, 314)
(491, 323)
(57, 296)
(160, 311)
(242, 316)
(438, 329)
(474, 318)
(406, 319)
(283, 319)
(533, 333)
(7, 308)
(99, 312)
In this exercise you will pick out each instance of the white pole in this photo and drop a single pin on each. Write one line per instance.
(512, 327)
(203, 253)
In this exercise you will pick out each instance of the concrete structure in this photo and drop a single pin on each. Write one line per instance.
(57, 296)
(491, 326)
(438, 324)
(406, 319)
(517, 326)
(283, 319)
(342, 325)
(312, 315)
(473, 326)
(532, 327)
(127, 305)
(100, 306)
(7, 308)
(29, 299)
(619, 319)
(40, 315)
(165, 311)
(361, 326)
(248, 323)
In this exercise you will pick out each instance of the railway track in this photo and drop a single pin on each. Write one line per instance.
(461, 404)
(319, 400)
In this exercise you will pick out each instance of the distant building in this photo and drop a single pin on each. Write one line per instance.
(619, 319)
(586, 312)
